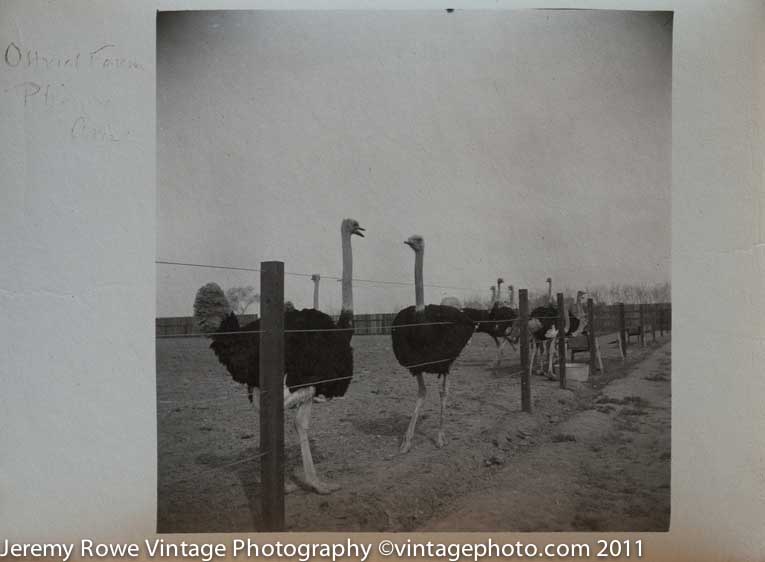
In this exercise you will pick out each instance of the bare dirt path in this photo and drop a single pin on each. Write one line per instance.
(607, 468)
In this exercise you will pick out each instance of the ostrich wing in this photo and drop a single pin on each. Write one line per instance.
(239, 353)
(321, 353)
(435, 345)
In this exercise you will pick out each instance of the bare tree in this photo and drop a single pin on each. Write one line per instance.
(240, 298)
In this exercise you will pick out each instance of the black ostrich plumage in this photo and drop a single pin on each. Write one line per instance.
(438, 345)
(573, 324)
(541, 320)
(310, 357)
(496, 322)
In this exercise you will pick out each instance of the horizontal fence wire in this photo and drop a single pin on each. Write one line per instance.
(213, 469)
(297, 274)
(382, 325)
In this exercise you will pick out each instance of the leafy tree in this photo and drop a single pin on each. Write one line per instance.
(240, 298)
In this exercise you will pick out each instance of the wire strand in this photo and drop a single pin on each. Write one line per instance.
(217, 468)
(297, 274)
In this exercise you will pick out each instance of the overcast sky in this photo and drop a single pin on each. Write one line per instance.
(519, 144)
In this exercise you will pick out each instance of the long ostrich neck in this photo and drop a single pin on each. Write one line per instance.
(549, 291)
(499, 291)
(316, 294)
(419, 288)
(347, 275)
(512, 297)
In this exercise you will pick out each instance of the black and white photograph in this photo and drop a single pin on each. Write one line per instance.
(413, 270)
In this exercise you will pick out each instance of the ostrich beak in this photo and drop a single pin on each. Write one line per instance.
(358, 231)
(408, 243)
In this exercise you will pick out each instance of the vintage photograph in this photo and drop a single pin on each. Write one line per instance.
(473, 213)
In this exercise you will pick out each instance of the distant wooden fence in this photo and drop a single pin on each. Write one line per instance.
(657, 316)
(180, 325)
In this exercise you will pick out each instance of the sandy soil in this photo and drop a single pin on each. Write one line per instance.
(593, 457)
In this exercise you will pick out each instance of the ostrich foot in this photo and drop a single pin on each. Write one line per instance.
(440, 441)
(406, 444)
(314, 484)
(323, 488)
(290, 487)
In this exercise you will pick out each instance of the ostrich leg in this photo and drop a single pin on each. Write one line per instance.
(498, 359)
(444, 392)
(550, 353)
(421, 392)
(531, 359)
(542, 350)
(510, 342)
(303, 398)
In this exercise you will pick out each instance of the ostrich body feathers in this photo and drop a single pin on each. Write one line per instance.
(437, 345)
(309, 357)
(542, 320)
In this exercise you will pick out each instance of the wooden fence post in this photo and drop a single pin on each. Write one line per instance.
(591, 343)
(561, 341)
(272, 394)
(661, 320)
(622, 330)
(523, 313)
(653, 322)
(669, 317)
(641, 312)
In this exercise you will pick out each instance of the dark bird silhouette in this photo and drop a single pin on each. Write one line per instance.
(543, 330)
(316, 362)
(428, 348)
(497, 323)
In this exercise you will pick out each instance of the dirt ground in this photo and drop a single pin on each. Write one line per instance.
(595, 457)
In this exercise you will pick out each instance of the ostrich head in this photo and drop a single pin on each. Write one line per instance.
(415, 242)
(351, 226)
(315, 277)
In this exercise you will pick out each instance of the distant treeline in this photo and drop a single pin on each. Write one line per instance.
(601, 294)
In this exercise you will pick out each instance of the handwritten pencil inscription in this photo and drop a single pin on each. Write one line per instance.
(103, 57)
(52, 85)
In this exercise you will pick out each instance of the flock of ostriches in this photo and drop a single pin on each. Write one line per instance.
(318, 353)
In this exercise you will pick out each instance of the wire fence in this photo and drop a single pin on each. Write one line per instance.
(622, 319)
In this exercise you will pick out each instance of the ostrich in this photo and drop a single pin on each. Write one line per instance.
(316, 362)
(499, 289)
(315, 278)
(497, 322)
(430, 348)
(543, 330)
(542, 326)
